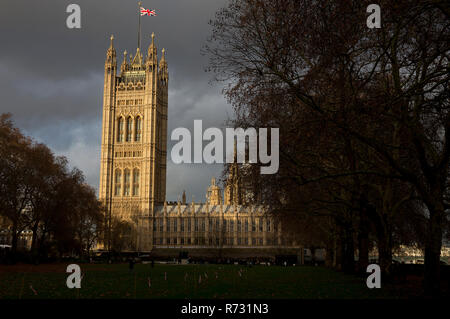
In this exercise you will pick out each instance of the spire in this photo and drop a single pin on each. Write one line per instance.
(151, 52)
(163, 73)
(137, 60)
(184, 198)
(233, 187)
(162, 62)
(111, 50)
(111, 53)
(124, 66)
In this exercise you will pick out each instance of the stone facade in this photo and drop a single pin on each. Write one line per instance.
(133, 170)
(134, 133)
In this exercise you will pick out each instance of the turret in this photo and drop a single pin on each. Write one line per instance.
(125, 66)
(233, 183)
(105, 188)
(152, 60)
(163, 71)
(111, 59)
(184, 198)
(110, 74)
(213, 194)
(151, 68)
(110, 70)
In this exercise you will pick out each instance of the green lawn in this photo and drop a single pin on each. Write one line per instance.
(116, 281)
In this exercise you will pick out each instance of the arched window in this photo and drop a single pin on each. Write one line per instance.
(120, 130)
(118, 182)
(136, 182)
(137, 134)
(129, 129)
(127, 181)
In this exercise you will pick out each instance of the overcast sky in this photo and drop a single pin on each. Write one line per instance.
(51, 77)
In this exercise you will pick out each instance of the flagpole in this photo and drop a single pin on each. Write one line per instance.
(139, 28)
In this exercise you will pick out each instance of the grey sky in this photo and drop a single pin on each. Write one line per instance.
(51, 77)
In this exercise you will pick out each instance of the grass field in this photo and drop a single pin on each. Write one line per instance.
(183, 281)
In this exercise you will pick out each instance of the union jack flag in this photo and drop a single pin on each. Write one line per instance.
(147, 12)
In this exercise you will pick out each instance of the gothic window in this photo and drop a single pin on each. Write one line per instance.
(161, 225)
(182, 224)
(189, 225)
(120, 130)
(127, 180)
(137, 135)
(167, 224)
(260, 224)
(136, 182)
(231, 225)
(246, 225)
(196, 224)
(239, 225)
(175, 225)
(268, 225)
(118, 182)
(253, 225)
(129, 129)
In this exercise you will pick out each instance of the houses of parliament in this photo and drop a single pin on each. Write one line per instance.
(133, 172)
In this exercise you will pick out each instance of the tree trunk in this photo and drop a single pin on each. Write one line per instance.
(14, 240)
(348, 253)
(385, 252)
(337, 262)
(313, 255)
(329, 254)
(363, 243)
(433, 253)
(34, 238)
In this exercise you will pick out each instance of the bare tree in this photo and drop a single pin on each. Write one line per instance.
(367, 108)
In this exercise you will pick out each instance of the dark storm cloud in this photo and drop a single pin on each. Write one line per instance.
(51, 77)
